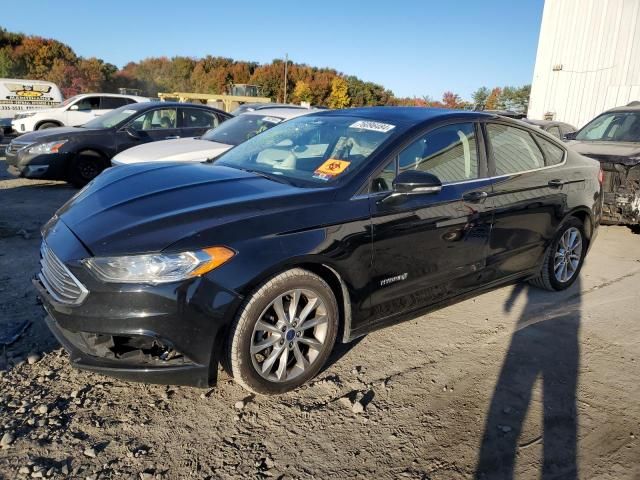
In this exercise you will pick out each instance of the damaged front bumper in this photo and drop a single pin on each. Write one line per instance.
(621, 194)
(168, 333)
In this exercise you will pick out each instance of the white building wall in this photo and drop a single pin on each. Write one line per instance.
(588, 59)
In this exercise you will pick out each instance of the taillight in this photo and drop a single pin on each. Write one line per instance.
(601, 176)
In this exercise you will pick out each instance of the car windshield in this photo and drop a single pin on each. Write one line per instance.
(313, 149)
(612, 127)
(241, 128)
(112, 118)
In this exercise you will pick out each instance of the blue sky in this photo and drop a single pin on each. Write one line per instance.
(411, 47)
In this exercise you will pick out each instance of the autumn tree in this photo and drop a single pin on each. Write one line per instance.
(302, 92)
(493, 100)
(339, 97)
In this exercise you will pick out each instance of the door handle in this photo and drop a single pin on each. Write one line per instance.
(173, 137)
(475, 197)
(556, 183)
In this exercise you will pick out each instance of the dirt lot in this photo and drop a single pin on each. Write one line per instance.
(516, 381)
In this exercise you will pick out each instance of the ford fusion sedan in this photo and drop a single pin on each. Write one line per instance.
(79, 154)
(613, 138)
(213, 143)
(317, 231)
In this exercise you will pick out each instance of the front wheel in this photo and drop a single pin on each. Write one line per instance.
(284, 333)
(85, 167)
(563, 258)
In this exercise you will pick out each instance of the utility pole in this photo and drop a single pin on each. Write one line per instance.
(286, 61)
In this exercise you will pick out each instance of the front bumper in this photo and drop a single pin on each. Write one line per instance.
(621, 194)
(50, 166)
(170, 334)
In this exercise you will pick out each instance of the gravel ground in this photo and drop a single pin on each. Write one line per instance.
(515, 382)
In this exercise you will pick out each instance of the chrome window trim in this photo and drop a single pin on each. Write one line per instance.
(386, 192)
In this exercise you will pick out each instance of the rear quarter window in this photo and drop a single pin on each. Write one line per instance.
(553, 154)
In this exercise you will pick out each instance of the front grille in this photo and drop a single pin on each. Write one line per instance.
(58, 280)
(14, 147)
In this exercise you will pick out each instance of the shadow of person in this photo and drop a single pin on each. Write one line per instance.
(544, 346)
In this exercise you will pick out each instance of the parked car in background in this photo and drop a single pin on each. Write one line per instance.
(507, 113)
(79, 154)
(73, 111)
(252, 107)
(20, 95)
(213, 143)
(321, 229)
(613, 138)
(557, 129)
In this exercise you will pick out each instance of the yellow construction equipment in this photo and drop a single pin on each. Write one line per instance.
(221, 101)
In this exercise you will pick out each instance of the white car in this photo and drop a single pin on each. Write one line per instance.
(73, 111)
(213, 143)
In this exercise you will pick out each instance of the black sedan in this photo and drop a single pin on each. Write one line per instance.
(79, 154)
(319, 230)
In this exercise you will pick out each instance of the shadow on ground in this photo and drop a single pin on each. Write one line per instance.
(544, 346)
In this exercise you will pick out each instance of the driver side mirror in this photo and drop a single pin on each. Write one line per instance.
(413, 182)
(74, 107)
(416, 181)
(570, 136)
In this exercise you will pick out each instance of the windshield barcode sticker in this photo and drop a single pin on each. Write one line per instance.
(373, 126)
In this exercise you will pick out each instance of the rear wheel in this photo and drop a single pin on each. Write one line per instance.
(563, 258)
(46, 125)
(85, 167)
(283, 333)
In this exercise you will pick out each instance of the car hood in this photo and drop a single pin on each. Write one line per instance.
(148, 207)
(41, 110)
(625, 153)
(179, 150)
(51, 134)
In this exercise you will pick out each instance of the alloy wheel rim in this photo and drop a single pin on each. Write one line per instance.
(88, 169)
(289, 335)
(568, 253)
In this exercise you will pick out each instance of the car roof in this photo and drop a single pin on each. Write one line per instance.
(281, 112)
(156, 104)
(137, 97)
(624, 108)
(407, 115)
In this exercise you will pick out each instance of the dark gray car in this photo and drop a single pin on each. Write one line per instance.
(613, 138)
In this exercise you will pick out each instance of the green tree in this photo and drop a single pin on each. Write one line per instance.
(339, 97)
(480, 96)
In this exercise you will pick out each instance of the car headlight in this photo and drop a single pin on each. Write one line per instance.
(20, 116)
(158, 268)
(44, 148)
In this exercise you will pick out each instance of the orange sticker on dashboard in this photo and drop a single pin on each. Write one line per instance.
(332, 167)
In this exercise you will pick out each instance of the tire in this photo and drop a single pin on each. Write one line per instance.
(286, 348)
(46, 125)
(547, 278)
(85, 167)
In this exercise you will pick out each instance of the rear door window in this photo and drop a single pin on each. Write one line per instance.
(110, 103)
(514, 150)
(197, 118)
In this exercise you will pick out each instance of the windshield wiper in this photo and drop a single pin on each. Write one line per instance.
(260, 173)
